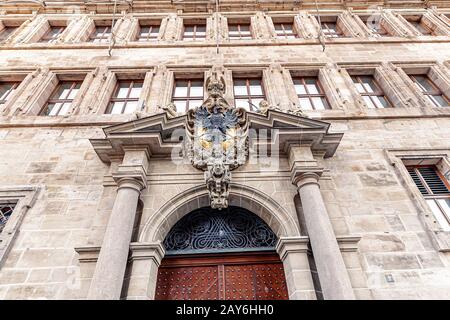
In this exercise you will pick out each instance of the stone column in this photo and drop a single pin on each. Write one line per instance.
(145, 261)
(333, 275)
(109, 272)
(293, 253)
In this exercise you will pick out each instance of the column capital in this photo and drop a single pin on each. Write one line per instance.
(303, 175)
(287, 245)
(146, 251)
(131, 176)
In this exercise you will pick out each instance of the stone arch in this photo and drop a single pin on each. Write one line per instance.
(275, 215)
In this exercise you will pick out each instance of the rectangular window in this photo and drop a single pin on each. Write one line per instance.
(194, 32)
(125, 97)
(61, 99)
(248, 93)
(100, 35)
(6, 32)
(239, 31)
(376, 27)
(285, 30)
(331, 30)
(6, 90)
(423, 29)
(148, 33)
(310, 93)
(371, 92)
(52, 34)
(430, 90)
(435, 189)
(187, 94)
(5, 213)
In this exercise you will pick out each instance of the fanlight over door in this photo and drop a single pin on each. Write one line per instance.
(226, 254)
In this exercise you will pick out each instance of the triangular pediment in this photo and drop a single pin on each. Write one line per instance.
(160, 134)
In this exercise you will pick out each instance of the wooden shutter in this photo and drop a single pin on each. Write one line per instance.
(428, 180)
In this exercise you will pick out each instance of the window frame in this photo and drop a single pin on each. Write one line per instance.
(187, 98)
(241, 36)
(15, 85)
(194, 35)
(431, 195)
(52, 100)
(113, 99)
(321, 93)
(429, 94)
(378, 92)
(14, 29)
(24, 198)
(94, 35)
(285, 35)
(47, 38)
(148, 38)
(420, 27)
(338, 32)
(263, 96)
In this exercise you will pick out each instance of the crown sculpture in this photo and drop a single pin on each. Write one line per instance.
(217, 140)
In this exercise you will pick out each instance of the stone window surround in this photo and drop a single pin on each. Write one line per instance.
(383, 24)
(324, 80)
(399, 158)
(286, 19)
(262, 73)
(14, 76)
(384, 83)
(109, 81)
(45, 27)
(11, 23)
(144, 21)
(193, 20)
(24, 198)
(439, 73)
(86, 30)
(239, 19)
(46, 85)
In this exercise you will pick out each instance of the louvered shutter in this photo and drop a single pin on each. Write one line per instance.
(428, 181)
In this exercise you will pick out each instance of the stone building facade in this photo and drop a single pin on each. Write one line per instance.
(354, 97)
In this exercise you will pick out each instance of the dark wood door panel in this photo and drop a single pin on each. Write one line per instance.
(260, 276)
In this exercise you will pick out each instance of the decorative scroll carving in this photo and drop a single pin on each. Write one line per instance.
(217, 140)
(211, 230)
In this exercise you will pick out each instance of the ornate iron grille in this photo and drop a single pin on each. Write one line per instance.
(5, 212)
(211, 230)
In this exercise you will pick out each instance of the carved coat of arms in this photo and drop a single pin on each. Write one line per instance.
(217, 140)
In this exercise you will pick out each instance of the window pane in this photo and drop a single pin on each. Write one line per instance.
(381, 102)
(64, 108)
(439, 101)
(240, 88)
(123, 89)
(305, 104)
(438, 214)
(53, 109)
(130, 107)
(136, 90)
(196, 89)
(360, 87)
(299, 88)
(180, 105)
(445, 205)
(319, 103)
(74, 91)
(242, 103)
(311, 86)
(256, 102)
(5, 90)
(369, 102)
(181, 89)
(423, 83)
(195, 103)
(116, 107)
(255, 88)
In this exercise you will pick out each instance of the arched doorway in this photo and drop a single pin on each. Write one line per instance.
(226, 254)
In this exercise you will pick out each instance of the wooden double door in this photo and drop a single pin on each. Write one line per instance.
(255, 276)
